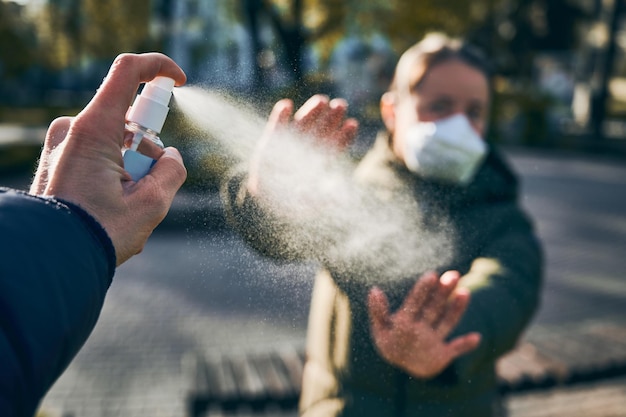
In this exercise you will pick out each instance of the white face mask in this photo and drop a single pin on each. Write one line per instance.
(448, 149)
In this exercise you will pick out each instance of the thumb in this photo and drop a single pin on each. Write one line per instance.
(277, 122)
(278, 119)
(378, 308)
(57, 132)
(281, 114)
(463, 344)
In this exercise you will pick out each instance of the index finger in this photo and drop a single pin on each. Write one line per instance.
(120, 85)
(310, 112)
(420, 293)
(378, 308)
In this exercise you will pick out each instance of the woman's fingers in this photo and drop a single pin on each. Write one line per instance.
(419, 294)
(280, 115)
(462, 345)
(454, 310)
(325, 120)
(311, 117)
(434, 308)
(279, 120)
(378, 308)
(348, 132)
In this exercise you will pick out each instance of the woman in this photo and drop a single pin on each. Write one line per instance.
(423, 343)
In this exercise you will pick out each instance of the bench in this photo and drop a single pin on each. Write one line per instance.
(253, 381)
(268, 383)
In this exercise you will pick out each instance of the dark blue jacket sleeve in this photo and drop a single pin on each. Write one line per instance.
(56, 265)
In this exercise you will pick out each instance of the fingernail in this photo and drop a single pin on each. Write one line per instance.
(448, 277)
(173, 153)
(337, 103)
(431, 276)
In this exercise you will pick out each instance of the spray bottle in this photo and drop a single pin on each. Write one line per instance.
(145, 120)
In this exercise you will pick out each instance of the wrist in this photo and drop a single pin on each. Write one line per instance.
(96, 229)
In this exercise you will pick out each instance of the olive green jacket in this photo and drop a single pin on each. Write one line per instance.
(478, 229)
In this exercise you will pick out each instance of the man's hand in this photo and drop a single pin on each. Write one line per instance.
(414, 337)
(82, 161)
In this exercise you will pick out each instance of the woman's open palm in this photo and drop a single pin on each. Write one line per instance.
(414, 338)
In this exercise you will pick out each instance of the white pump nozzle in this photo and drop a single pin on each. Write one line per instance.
(151, 106)
(147, 116)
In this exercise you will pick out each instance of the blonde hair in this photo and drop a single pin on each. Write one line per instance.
(434, 49)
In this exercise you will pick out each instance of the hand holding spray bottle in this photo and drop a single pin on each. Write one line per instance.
(145, 120)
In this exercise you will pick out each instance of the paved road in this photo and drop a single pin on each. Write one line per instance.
(580, 209)
(579, 205)
(205, 291)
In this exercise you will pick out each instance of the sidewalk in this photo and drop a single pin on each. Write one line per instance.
(579, 204)
(599, 399)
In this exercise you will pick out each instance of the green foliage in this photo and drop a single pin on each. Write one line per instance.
(70, 31)
(59, 38)
(403, 21)
(120, 26)
(67, 33)
(16, 40)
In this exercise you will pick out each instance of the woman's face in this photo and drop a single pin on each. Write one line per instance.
(448, 88)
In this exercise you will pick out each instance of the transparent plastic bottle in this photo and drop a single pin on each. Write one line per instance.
(145, 120)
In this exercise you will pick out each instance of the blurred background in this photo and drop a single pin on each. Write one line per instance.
(559, 114)
(560, 64)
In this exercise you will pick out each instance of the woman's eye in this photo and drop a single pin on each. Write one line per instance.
(439, 107)
(472, 115)
(475, 114)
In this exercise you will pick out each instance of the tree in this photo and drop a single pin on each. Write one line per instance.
(16, 40)
(321, 24)
(120, 26)
(58, 31)
(71, 30)
(610, 14)
(405, 22)
(286, 19)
